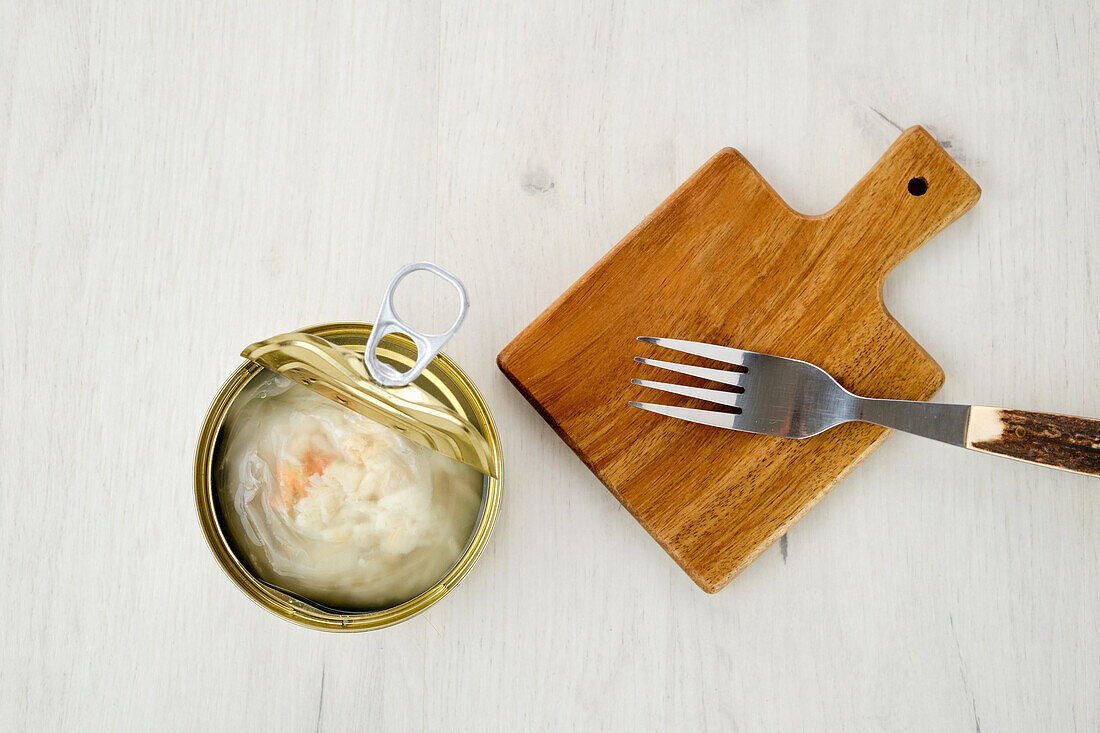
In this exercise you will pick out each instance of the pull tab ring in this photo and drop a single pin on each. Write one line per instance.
(427, 345)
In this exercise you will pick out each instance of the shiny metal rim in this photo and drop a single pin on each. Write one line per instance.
(451, 384)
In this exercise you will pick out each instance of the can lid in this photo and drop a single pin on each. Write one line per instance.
(373, 389)
(339, 374)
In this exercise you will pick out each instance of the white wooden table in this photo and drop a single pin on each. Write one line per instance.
(178, 180)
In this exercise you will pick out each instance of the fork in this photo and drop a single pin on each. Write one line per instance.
(788, 398)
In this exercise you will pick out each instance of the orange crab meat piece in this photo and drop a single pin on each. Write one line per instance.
(294, 477)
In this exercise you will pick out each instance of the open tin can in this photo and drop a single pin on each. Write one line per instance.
(328, 359)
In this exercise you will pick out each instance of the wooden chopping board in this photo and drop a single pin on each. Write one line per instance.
(725, 260)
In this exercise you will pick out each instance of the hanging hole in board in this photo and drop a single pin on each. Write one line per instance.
(917, 186)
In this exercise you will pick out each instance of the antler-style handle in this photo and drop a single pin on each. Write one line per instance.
(1059, 441)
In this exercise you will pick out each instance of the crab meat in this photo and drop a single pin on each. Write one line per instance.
(294, 475)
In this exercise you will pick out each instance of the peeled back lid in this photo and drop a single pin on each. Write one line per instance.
(340, 374)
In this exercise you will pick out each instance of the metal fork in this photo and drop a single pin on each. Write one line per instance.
(787, 398)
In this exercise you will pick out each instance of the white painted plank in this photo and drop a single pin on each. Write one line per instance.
(179, 180)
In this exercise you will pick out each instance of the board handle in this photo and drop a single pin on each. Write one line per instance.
(1059, 441)
(914, 190)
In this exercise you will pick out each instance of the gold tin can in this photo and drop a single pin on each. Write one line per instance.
(444, 380)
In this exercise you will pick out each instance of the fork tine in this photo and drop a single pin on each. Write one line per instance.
(720, 396)
(715, 375)
(707, 351)
(703, 417)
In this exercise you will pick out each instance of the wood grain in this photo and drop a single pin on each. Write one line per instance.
(1061, 441)
(724, 260)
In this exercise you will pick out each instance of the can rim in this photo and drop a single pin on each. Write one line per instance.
(289, 607)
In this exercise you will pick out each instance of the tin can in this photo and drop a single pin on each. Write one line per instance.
(442, 379)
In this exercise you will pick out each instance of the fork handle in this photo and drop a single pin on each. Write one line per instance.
(1058, 441)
